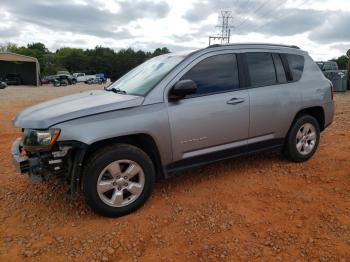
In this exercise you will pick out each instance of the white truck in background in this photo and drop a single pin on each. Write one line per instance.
(82, 77)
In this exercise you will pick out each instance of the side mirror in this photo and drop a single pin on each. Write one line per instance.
(183, 88)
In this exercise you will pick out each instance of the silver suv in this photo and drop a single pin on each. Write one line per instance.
(175, 112)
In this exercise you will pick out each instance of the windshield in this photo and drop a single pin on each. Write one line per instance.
(146, 76)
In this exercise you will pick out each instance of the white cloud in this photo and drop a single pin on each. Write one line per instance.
(319, 27)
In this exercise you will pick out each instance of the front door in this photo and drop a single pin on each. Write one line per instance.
(216, 118)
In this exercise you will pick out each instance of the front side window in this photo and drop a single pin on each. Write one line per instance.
(261, 69)
(296, 65)
(215, 74)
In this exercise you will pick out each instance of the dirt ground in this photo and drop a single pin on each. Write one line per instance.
(260, 207)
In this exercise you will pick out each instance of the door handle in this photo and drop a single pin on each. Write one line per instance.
(235, 101)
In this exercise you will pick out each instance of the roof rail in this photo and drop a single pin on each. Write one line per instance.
(267, 44)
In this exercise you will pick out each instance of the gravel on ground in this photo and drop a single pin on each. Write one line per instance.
(259, 207)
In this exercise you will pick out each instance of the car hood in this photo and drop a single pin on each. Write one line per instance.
(66, 108)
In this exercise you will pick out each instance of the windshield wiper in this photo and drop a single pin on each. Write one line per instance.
(116, 90)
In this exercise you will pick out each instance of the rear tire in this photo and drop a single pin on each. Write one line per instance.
(118, 180)
(303, 139)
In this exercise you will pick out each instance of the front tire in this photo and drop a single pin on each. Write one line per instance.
(118, 180)
(303, 139)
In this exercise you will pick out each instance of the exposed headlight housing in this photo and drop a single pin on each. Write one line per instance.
(39, 140)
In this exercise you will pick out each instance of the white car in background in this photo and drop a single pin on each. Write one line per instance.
(82, 77)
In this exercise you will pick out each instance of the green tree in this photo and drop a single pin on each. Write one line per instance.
(91, 61)
(71, 59)
(37, 50)
(342, 62)
(160, 51)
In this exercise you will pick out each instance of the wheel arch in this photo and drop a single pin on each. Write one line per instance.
(143, 141)
(316, 111)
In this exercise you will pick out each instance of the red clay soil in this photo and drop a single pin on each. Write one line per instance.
(260, 207)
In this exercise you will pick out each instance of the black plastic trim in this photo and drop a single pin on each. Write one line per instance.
(79, 150)
(287, 68)
(243, 71)
(197, 161)
(275, 64)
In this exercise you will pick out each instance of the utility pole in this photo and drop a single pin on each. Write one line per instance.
(224, 27)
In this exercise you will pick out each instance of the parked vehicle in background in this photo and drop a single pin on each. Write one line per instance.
(94, 81)
(64, 80)
(338, 77)
(328, 65)
(3, 84)
(82, 77)
(102, 77)
(63, 72)
(77, 74)
(48, 79)
(63, 76)
(173, 112)
(13, 79)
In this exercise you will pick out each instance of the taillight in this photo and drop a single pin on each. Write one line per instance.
(332, 89)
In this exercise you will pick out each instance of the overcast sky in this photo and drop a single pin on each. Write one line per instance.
(321, 27)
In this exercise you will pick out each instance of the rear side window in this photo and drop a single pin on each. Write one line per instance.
(281, 74)
(261, 69)
(296, 66)
(215, 74)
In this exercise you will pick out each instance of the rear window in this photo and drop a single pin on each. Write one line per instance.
(296, 66)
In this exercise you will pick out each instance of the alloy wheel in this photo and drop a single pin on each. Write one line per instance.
(306, 139)
(120, 183)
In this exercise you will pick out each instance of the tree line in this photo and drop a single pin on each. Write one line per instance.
(91, 61)
(342, 62)
(98, 60)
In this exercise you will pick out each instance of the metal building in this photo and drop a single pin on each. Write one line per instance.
(27, 67)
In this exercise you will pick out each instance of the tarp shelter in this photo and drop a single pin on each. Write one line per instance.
(27, 67)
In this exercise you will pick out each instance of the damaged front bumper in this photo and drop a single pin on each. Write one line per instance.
(39, 166)
(64, 160)
(19, 160)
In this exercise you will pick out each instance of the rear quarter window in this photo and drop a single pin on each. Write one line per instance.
(296, 66)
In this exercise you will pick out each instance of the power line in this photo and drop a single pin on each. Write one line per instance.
(254, 12)
(277, 6)
(245, 8)
(224, 25)
(304, 2)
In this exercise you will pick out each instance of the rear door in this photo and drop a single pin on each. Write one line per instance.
(273, 97)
